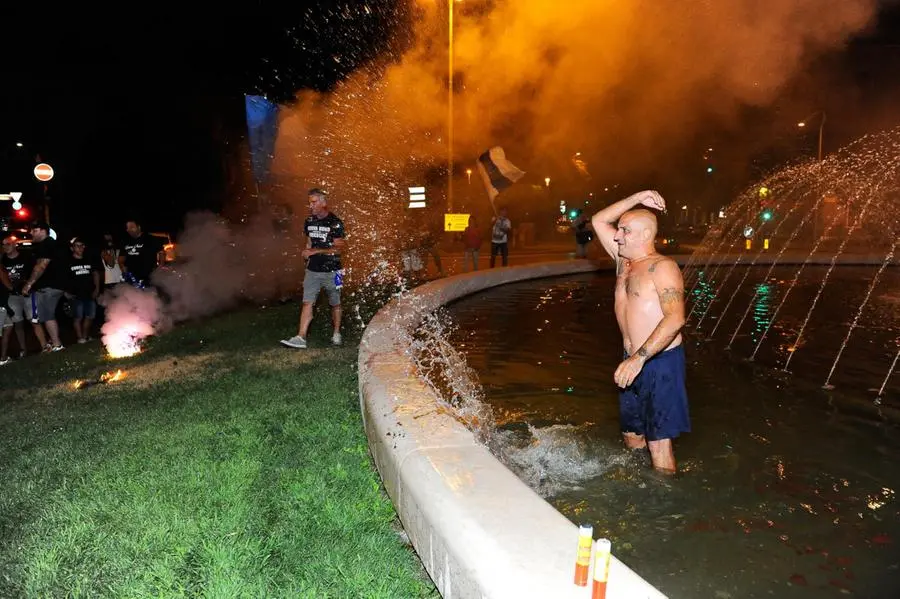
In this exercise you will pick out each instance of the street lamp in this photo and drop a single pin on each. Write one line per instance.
(450, 4)
(19, 144)
(469, 175)
(802, 124)
(547, 181)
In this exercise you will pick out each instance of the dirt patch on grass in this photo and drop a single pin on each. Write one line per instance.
(136, 376)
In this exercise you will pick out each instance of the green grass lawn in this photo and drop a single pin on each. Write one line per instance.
(222, 466)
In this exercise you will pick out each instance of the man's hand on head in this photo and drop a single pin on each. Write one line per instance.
(652, 199)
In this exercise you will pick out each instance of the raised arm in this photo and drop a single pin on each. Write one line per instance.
(604, 221)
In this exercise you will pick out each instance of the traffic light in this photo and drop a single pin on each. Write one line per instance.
(573, 213)
(766, 215)
(22, 213)
(709, 169)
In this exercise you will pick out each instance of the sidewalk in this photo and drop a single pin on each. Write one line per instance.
(452, 258)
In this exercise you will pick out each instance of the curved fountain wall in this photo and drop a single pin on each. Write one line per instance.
(479, 530)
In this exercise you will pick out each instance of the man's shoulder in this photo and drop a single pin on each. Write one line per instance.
(664, 265)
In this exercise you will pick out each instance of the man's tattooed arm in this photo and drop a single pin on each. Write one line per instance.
(670, 290)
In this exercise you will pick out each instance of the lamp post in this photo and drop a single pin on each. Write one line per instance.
(450, 4)
(802, 124)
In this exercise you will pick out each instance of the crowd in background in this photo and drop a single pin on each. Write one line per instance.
(45, 281)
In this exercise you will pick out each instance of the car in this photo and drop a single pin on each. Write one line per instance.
(168, 245)
(667, 244)
(23, 236)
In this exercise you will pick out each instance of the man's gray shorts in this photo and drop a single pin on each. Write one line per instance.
(46, 300)
(21, 305)
(314, 282)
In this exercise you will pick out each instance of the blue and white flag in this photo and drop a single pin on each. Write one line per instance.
(262, 129)
(497, 172)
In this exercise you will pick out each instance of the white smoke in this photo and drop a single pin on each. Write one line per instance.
(218, 266)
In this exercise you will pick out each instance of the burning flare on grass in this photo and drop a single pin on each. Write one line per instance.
(105, 378)
(132, 315)
(122, 343)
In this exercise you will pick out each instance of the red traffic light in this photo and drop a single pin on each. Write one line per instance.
(22, 213)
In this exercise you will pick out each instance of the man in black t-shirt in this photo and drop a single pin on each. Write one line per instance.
(47, 282)
(325, 240)
(141, 254)
(18, 266)
(83, 287)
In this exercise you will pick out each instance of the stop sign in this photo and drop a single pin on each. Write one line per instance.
(43, 172)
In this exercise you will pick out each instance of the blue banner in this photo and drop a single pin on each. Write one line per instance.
(262, 128)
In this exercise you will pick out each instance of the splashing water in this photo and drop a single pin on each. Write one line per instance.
(444, 369)
(548, 459)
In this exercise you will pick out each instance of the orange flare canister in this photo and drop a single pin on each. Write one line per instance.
(583, 558)
(601, 568)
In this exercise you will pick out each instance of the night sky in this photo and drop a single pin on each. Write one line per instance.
(144, 116)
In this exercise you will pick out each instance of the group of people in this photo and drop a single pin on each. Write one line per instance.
(649, 308)
(35, 279)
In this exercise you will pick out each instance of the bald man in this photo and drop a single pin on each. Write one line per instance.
(653, 404)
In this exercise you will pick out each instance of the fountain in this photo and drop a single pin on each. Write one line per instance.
(794, 339)
(838, 212)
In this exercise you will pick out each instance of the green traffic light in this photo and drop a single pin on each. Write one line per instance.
(573, 214)
(767, 215)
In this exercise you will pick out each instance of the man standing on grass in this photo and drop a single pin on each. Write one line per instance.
(141, 254)
(17, 267)
(649, 304)
(45, 285)
(325, 240)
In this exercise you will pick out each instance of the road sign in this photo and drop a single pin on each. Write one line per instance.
(416, 197)
(43, 172)
(456, 222)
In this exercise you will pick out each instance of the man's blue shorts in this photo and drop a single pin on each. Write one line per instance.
(655, 404)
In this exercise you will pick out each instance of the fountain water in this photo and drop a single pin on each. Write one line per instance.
(840, 211)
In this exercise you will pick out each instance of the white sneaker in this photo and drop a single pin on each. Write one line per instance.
(336, 339)
(5, 362)
(57, 348)
(297, 342)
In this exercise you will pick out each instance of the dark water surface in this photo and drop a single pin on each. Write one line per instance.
(784, 489)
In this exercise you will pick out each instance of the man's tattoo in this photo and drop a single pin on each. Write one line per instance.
(653, 266)
(643, 352)
(631, 286)
(670, 295)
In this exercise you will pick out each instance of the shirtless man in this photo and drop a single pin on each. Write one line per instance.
(650, 311)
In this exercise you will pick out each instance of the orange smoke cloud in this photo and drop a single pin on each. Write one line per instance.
(625, 82)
